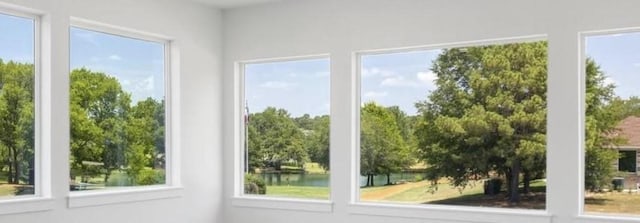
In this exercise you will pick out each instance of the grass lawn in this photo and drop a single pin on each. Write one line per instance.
(299, 192)
(613, 202)
(7, 190)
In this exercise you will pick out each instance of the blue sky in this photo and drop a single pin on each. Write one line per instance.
(619, 57)
(16, 39)
(137, 64)
(301, 86)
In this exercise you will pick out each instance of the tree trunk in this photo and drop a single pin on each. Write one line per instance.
(388, 179)
(372, 178)
(527, 182)
(10, 174)
(16, 168)
(514, 196)
(368, 180)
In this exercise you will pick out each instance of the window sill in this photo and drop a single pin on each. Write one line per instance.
(447, 212)
(25, 205)
(604, 217)
(283, 204)
(116, 196)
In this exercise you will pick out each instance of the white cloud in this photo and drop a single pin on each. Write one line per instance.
(374, 94)
(115, 57)
(636, 64)
(609, 80)
(427, 77)
(399, 81)
(277, 84)
(377, 72)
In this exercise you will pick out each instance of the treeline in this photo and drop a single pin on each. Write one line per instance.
(108, 132)
(486, 118)
(277, 139)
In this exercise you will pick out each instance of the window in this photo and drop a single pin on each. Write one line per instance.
(118, 111)
(17, 107)
(455, 126)
(612, 124)
(286, 127)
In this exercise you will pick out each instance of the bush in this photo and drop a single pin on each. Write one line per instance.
(254, 184)
(150, 177)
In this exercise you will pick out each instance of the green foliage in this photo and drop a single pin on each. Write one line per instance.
(382, 148)
(602, 116)
(488, 113)
(274, 139)
(254, 184)
(17, 114)
(109, 134)
(150, 177)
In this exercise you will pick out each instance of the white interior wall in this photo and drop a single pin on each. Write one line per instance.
(338, 27)
(196, 32)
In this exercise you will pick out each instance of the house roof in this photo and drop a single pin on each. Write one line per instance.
(629, 129)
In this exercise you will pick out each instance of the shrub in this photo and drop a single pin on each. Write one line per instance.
(254, 184)
(150, 177)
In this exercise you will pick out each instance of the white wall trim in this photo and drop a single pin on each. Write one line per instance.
(25, 205)
(118, 196)
(306, 205)
(451, 213)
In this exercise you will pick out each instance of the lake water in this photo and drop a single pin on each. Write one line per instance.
(322, 180)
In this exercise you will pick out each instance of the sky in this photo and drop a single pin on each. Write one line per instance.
(299, 86)
(137, 64)
(618, 56)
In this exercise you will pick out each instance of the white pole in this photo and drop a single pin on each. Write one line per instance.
(246, 137)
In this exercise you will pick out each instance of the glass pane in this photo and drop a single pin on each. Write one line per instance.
(287, 129)
(117, 111)
(459, 126)
(17, 107)
(612, 124)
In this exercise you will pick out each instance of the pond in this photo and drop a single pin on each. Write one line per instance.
(322, 180)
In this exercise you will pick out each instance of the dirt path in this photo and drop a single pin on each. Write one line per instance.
(389, 191)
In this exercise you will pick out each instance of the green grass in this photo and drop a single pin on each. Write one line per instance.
(7, 190)
(298, 192)
(613, 202)
(445, 191)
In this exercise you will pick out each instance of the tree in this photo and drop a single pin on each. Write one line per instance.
(382, 149)
(488, 114)
(17, 120)
(99, 110)
(317, 140)
(274, 139)
(144, 139)
(602, 116)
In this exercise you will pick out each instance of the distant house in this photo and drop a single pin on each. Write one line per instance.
(629, 161)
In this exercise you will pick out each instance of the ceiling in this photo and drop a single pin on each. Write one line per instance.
(225, 4)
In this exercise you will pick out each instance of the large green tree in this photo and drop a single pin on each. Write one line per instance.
(382, 148)
(99, 109)
(603, 112)
(17, 121)
(487, 115)
(274, 138)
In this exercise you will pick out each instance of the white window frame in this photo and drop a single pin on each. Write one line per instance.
(247, 200)
(427, 211)
(41, 200)
(594, 216)
(172, 187)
